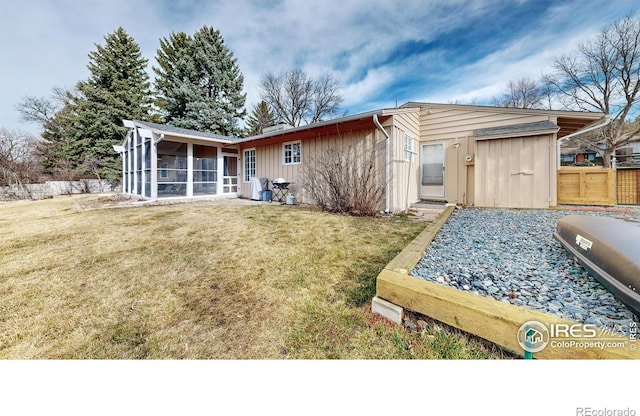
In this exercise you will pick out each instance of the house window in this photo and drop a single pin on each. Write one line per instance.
(408, 147)
(249, 164)
(291, 153)
(164, 170)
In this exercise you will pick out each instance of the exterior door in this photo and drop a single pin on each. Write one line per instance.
(230, 177)
(432, 169)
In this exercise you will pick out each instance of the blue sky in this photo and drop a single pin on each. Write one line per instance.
(385, 52)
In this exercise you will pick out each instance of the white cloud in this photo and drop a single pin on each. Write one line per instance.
(46, 43)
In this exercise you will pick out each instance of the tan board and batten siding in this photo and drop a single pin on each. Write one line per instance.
(515, 169)
(269, 158)
(405, 174)
(368, 143)
(502, 172)
(515, 172)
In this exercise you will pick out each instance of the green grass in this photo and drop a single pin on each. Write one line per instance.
(203, 281)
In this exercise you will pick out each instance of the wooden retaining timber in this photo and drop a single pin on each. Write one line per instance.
(492, 320)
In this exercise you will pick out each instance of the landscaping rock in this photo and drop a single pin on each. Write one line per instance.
(510, 255)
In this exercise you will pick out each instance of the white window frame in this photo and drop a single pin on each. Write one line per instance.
(409, 147)
(290, 150)
(246, 171)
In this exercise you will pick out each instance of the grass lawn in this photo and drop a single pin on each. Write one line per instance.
(203, 281)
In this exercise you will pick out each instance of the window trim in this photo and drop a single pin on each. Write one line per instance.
(247, 178)
(284, 153)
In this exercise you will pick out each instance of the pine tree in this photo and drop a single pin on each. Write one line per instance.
(90, 122)
(260, 117)
(199, 83)
(172, 76)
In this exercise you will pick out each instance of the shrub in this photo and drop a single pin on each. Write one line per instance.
(342, 180)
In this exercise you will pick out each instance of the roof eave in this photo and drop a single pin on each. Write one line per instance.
(321, 124)
(161, 133)
(518, 134)
(569, 113)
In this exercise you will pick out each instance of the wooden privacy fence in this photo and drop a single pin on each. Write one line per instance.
(586, 186)
(628, 186)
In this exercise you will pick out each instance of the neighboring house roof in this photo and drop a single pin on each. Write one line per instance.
(525, 129)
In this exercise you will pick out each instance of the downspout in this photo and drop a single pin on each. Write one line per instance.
(387, 166)
(406, 202)
(565, 138)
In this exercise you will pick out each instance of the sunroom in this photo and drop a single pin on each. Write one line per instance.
(161, 161)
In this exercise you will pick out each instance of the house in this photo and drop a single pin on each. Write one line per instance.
(579, 155)
(462, 154)
(630, 153)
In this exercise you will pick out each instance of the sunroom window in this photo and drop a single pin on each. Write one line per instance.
(205, 170)
(172, 169)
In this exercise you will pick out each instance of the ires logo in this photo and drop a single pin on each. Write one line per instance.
(573, 331)
(534, 336)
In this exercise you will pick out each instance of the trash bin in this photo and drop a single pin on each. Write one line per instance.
(266, 195)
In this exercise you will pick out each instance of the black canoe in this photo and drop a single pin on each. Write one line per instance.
(609, 248)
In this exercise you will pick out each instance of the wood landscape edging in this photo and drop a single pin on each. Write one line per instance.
(495, 321)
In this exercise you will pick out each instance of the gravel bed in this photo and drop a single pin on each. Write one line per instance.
(510, 255)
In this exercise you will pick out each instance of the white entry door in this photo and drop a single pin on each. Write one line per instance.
(432, 182)
(230, 177)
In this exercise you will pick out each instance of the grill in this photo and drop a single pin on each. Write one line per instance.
(280, 183)
(280, 189)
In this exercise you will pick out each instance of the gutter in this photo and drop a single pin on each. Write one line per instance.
(388, 167)
(568, 136)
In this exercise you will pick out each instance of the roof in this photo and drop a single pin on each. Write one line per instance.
(569, 122)
(186, 133)
(589, 114)
(315, 127)
(329, 123)
(517, 129)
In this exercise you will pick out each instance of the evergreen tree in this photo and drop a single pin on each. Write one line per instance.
(199, 83)
(172, 76)
(59, 154)
(260, 117)
(90, 123)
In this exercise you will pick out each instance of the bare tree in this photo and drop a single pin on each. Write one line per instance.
(296, 98)
(603, 75)
(326, 98)
(42, 110)
(18, 163)
(523, 93)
